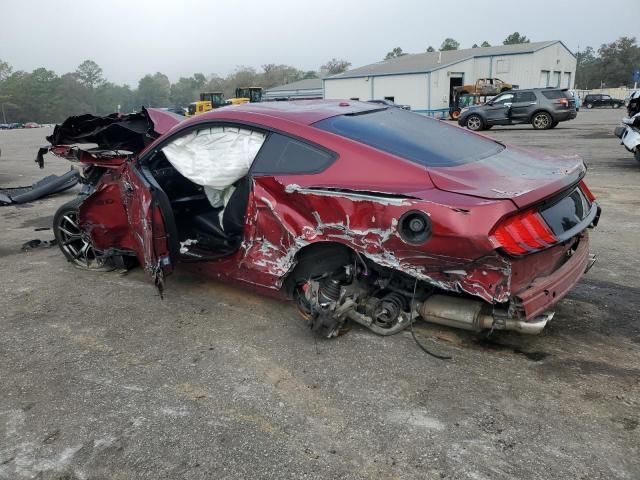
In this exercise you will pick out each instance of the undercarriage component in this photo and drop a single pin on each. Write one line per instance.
(475, 315)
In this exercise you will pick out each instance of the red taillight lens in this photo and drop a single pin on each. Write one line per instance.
(523, 233)
(587, 193)
(563, 101)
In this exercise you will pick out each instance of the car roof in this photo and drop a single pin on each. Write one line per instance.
(304, 112)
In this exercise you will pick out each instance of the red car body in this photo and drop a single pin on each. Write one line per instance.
(488, 238)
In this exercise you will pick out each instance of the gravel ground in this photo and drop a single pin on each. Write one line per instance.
(100, 379)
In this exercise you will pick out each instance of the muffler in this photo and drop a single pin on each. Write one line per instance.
(476, 315)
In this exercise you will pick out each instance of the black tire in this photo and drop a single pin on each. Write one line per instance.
(474, 122)
(554, 124)
(541, 121)
(616, 105)
(637, 154)
(73, 243)
(589, 105)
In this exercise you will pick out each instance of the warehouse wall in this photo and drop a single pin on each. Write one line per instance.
(406, 89)
(554, 58)
(346, 88)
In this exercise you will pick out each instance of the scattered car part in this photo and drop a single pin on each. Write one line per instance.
(629, 133)
(37, 243)
(360, 213)
(49, 185)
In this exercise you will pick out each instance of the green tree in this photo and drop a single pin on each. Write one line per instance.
(475, 45)
(395, 53)
(154, 90)
(90, 76)
(485, 44)
(335, 66)
(5, 70)
(515, 38)
(618, 60)
(109, 96)
(430, 49)
(449, 44)
(187, 89)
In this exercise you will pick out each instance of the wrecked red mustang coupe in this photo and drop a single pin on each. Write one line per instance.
(357, 212)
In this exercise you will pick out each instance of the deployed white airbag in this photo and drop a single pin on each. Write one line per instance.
(215, 157)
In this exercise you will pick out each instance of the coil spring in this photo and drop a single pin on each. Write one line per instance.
(329, 290)
(389, 308)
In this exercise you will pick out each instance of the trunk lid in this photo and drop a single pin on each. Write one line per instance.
(129, 132)
(518, 175)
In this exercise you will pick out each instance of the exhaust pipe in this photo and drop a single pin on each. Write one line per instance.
(474, 315)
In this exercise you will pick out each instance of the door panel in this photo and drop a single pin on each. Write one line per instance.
(498, 112)
(523, 106)
(143, 205)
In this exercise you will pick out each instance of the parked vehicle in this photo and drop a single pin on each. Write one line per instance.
(595, 100)
(389, 103)
(460, 100)
(487, 86)
(357, 212)
(31, 125)
(629, 131)
(541, 107)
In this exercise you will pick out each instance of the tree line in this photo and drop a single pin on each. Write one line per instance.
(46, 97)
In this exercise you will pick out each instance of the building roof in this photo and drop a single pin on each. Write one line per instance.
(430, 61)
(308, 84)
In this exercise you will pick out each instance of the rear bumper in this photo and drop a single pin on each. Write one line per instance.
(566, 115)
(544, 292)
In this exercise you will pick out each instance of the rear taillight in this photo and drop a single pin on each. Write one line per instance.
(563, 101)
(523, 233)
(587, 193)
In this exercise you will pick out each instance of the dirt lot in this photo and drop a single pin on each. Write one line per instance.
(99, 378)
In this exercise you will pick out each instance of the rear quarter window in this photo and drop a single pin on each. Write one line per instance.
(412, 136)
(285, 155)
(554, 94)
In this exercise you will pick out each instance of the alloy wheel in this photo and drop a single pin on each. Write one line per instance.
(541, 121)
(77, 246)
(474, 122)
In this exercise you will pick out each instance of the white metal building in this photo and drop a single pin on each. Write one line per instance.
(424, 80)
(310, 88)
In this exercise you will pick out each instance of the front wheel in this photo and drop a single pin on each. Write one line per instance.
(616, 105)
(541, 121)
(589, 105)
(75, 244)
(475, 123)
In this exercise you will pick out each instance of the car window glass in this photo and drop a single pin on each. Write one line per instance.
(412, 136)
(524, 97)
(282, 154)
(606, 97)
(507, 97)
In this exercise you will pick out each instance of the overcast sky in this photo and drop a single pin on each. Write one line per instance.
(129, 38)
